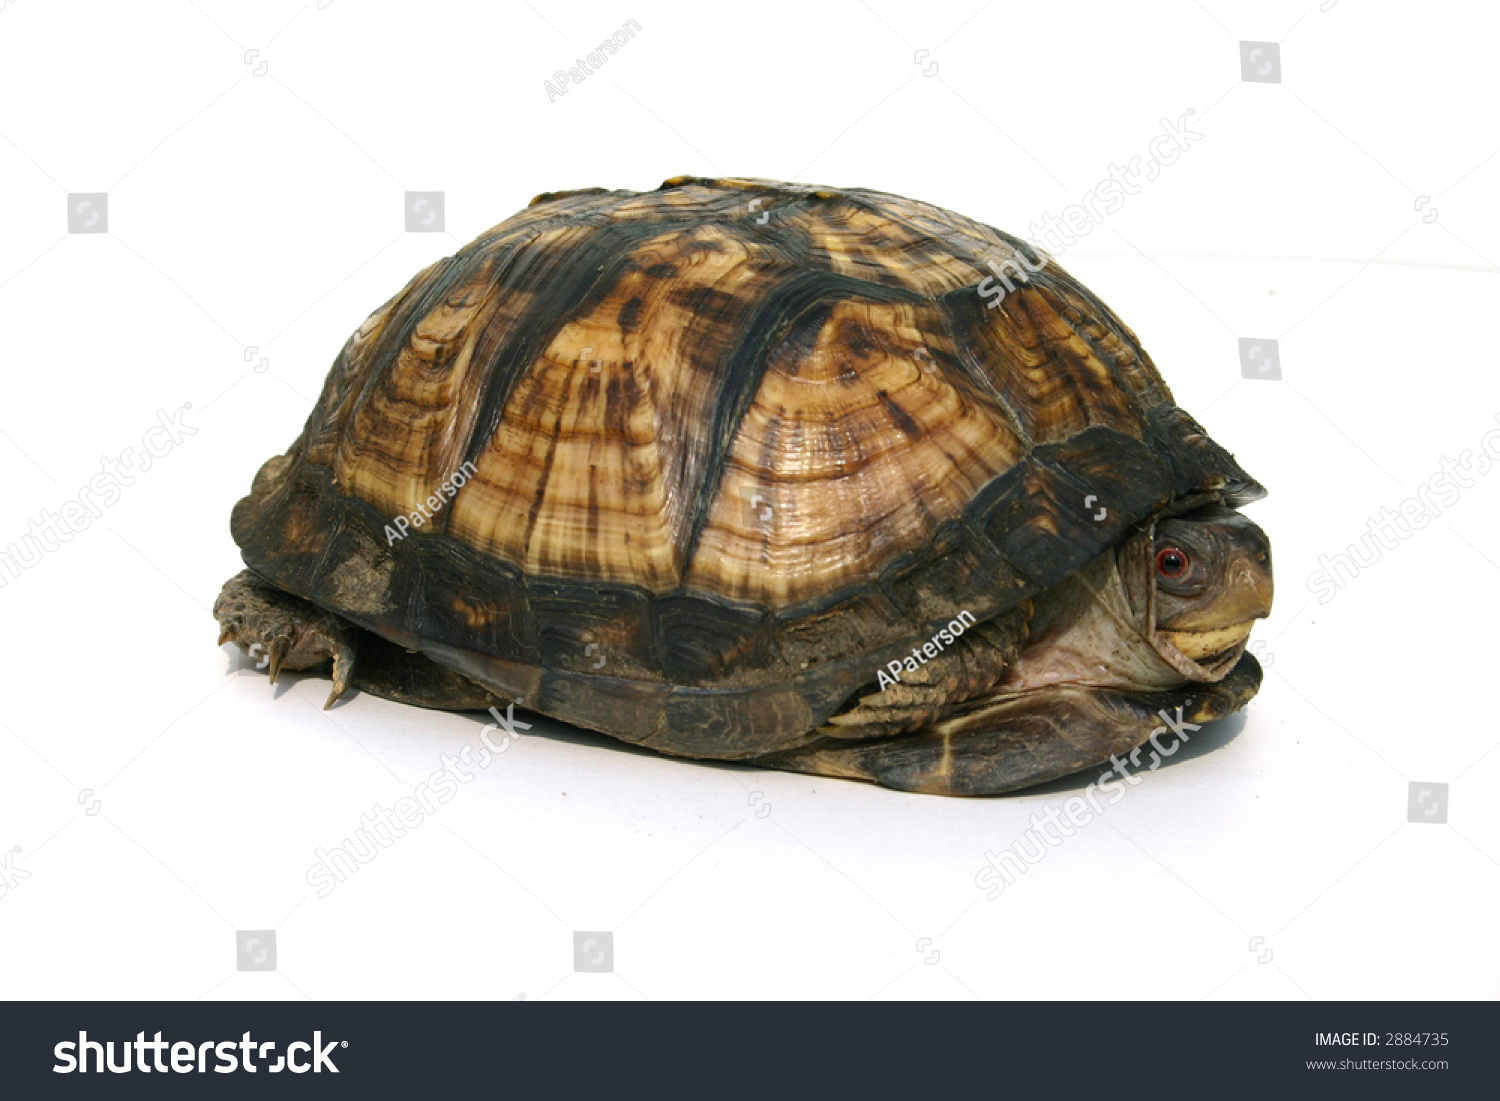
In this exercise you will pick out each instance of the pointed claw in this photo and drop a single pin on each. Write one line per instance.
(343, 668)
(848, 719)
(278, 652)
(225, 635)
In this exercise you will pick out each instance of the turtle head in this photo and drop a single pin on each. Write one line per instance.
(1212, 572)
(1174, 603)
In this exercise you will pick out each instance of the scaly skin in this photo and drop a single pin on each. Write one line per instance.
(293, 633)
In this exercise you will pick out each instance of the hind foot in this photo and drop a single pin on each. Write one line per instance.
(280, 631)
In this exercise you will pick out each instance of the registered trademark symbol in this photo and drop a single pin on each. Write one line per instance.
(344, 1043)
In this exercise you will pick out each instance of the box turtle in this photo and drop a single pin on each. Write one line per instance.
(817, 479)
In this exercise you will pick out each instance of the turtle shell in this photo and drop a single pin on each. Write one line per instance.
(726, 448)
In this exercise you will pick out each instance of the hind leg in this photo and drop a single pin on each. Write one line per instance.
(282, 631)
(990, 746)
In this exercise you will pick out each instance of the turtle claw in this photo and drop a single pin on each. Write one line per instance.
(225, 635)
(343, 669)
(279, 648)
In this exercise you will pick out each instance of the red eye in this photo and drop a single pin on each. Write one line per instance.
(1171, 563)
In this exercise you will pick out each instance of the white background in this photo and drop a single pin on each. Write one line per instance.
(266, 212)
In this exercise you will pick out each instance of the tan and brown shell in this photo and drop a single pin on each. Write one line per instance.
(734, 444)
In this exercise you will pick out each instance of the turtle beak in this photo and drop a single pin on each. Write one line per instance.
(1250, 582)
(1202, 645)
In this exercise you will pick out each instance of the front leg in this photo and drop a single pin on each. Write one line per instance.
(1003, 742)
(918, 695)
